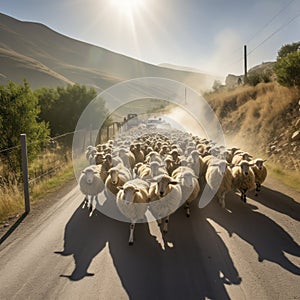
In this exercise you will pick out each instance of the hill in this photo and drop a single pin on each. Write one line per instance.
(47, 58)
(263, 119)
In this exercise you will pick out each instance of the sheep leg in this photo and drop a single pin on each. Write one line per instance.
(257, 189)
(243, 196)
(222, 201)
(93, 207)
(187, 208)
(85, 201)
(166, 221)
(132, 226)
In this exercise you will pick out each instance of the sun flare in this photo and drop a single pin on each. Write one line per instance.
(127, 6)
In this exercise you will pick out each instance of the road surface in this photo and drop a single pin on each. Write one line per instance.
(247, 251)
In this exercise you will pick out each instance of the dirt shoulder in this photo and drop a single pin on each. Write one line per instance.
(36, 209)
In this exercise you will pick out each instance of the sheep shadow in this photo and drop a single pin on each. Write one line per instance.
(268, 239)
(188, 268)
(279, 202)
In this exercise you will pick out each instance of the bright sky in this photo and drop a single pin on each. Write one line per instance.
(208, 35)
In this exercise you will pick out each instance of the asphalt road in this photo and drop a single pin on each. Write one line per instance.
(247, 251)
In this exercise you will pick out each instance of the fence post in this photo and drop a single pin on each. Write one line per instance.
(25, 172)
(91, 134)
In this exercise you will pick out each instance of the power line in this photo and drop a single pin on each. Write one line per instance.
(260, 30)
(269, 22)
(273, 33)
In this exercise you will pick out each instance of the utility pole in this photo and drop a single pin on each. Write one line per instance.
(245, 63)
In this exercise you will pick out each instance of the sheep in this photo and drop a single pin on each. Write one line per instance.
(91, 156)
(99, 158)
(153, 156)
(206, 161)
(90, 184)
(165, 197)
(189, 185)
(195, 162)
(239, 156)
(105, 166)
(116, 178)
(260, 172)
(89, 150)
(132, 201)
(164, 150)
(127, 158)
(243, 178)
(170, 167)
(219, 179)
(151, 170)
(138, 153)
(230, 153)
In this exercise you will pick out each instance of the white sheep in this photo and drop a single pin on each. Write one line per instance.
(195, 162)
(153, 156)
(132, 201)
(189, 184)
(90, 184)
(153, 169)
(165, 197)
(117, 177)
(219, 179)
(243, 178)
(260, 172)
(127, 158)
(89, 150)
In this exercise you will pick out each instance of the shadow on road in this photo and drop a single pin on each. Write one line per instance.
(13, 227)
(268, 239)
(279, 202)
(195, 265)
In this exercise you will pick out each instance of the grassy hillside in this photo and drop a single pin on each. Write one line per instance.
(263, 120)
(47, 58)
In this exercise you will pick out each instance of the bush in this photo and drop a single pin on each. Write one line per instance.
(287, 66)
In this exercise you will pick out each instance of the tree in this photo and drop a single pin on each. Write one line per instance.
(287, 49)
(62, 107)
(19, 114)
(287, 66)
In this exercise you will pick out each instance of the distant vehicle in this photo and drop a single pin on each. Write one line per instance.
(156, 122)
(132, 120)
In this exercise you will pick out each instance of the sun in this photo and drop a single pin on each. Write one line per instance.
(127, 6)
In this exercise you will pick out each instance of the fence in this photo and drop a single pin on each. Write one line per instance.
(19, 175)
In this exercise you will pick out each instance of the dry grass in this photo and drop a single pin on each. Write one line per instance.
(253, 118)
(11, 201)
(47, 173)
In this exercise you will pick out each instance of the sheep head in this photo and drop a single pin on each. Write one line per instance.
(187, 179)
(259, 162)
(162, 184)
(129, 193)
(89, 175)
(244, 165)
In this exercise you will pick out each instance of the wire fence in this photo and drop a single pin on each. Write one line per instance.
(54, 154)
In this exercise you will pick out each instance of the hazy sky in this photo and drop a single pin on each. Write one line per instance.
(205, 34)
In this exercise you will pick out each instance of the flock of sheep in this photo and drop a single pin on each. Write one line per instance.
(159, 171)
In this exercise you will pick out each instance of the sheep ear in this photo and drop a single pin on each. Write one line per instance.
(195, 176)
(264, 160)
(120, 188)
(251, 165)
(136, 190)
(151, 180)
